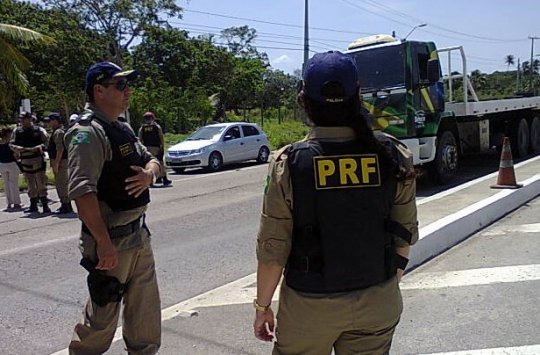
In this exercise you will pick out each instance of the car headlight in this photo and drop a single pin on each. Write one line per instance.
(198, 151)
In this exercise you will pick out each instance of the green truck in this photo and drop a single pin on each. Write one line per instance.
(403, 87)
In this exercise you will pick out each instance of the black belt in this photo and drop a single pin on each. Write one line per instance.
(121, 231)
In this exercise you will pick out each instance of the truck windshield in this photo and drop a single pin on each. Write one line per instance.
(380, 68)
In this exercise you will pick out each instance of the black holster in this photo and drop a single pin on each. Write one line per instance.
(103, 288)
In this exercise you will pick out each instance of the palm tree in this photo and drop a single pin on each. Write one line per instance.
(509, 60)
(12, 63)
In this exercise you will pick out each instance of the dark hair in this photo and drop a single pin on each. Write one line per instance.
(349, 113)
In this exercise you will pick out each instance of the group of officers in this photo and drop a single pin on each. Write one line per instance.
(29, 142)
(338, 218)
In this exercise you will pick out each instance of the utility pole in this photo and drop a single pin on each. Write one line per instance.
(532, 38)
(306, 35)
(517, 76)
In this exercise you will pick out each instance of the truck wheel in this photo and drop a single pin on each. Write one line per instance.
(535, 136)
(444, 168)
(520, 139)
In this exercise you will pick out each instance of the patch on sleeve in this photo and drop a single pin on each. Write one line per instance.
(347, 171)
(266, 183)
(81, 137)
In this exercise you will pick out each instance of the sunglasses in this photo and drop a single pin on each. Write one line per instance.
(120, 85)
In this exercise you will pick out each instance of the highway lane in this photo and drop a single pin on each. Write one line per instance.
(204, 236)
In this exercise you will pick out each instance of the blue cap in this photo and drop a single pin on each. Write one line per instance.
(103, 71)
(330, 77)
(53, 116)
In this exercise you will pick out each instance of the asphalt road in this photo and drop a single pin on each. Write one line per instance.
(203, 229)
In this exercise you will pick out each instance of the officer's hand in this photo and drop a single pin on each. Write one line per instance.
(139, 182)
(107, 255)
(399, 274)
(264, 325)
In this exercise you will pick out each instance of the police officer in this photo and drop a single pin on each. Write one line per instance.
(151, 135)
(109, 175)
(338, 218)
(58, 159)
(29, 141)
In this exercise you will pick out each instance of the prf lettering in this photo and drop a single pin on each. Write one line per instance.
(347, 171)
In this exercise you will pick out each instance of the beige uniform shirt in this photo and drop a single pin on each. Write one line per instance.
(58, 140)
(88, 149)
(275, 232)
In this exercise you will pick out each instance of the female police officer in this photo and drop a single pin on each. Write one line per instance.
(338, 216)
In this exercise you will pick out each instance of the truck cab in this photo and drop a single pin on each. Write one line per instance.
(401, 87)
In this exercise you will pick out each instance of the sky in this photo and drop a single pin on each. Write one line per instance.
(488, 30)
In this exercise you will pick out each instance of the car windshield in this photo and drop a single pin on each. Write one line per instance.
(380, 68)
(206, 133)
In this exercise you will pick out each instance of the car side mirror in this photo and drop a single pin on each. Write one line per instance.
(433, 71)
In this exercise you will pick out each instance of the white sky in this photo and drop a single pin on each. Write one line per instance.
(487, 29)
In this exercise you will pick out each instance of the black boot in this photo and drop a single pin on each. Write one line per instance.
(64, 208)
(45, 204)
(166, 181)
(33, 206)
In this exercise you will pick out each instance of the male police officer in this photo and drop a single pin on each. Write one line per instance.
(109, 175)
(338, 215)
(151, 135)
(58, 158)
(30, 142)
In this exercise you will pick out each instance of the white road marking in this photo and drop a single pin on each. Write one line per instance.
(516, 350)
(38, 245)
(470, 183)
(473, 277)
(523, 228)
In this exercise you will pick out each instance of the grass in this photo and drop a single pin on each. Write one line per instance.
(22, 181)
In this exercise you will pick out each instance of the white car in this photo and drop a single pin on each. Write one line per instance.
(215, 145)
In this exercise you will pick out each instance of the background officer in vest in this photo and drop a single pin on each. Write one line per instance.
(109, 175)
(58, 159)
(151, 135)
(338, 216)
(30, 142)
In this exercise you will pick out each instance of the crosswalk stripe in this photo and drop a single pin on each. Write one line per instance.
(517, 350)
(472, 277)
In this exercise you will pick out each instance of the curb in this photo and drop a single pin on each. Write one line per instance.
(439, 236)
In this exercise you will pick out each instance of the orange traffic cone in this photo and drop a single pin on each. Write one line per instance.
(507, 176)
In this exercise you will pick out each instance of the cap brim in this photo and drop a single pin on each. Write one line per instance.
(128, 74)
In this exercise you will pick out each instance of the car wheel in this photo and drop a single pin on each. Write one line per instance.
(215, 161)
(263, 155)
(178, 170)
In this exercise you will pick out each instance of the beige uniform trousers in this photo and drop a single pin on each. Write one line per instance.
(10, 173)
(358, 322)
(61, 181)
(37, 181)
(155, 152)
(141, 312)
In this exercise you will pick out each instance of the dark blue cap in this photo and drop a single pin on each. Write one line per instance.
(54, 116)
(103, 71)
(330, 77)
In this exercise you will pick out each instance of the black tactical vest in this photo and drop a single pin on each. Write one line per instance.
(28, 138)
(111, 183)
(339, 239)
(150, 135)
(51, 149)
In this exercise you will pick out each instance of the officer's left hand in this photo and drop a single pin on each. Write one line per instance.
(262, 321)
(139, 182)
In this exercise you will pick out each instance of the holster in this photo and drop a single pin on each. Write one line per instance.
(103, 288)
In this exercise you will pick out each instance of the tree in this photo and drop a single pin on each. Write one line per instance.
(509, 60)
(13, 63)
(240, 42)
(120, 21)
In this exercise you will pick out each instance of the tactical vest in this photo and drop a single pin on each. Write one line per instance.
(150, 135)
(111, 183)
(340, 242)
(51, 149)
(28, 138)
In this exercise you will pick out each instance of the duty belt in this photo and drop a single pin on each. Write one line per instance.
(121, 231)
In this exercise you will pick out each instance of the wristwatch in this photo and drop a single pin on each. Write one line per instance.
(260, 308)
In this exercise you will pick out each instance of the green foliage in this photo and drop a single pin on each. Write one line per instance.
(285, 133)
